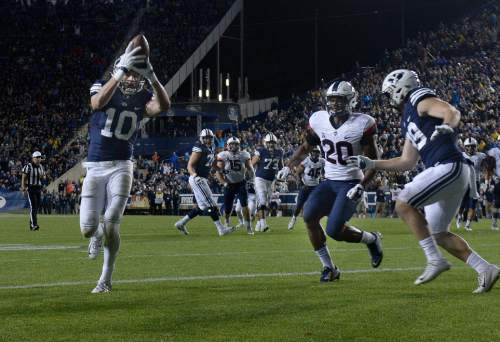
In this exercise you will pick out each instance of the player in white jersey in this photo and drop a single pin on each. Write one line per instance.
(429, 127)
(252, 205)
(118, 106)
(233, 166)
(310, 171)
(469, 202)
(341, 134)
(495, 153)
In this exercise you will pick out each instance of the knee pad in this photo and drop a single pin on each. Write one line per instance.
(87, 229)
(111, 230)
(213, 212)
(114, 211)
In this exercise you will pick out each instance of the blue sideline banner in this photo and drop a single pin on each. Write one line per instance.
(12, 201)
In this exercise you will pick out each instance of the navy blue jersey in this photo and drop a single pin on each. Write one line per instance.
(419, 130)
(113, 128)
(207, 158)
(269, 163)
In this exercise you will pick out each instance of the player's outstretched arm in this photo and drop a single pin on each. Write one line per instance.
(310, 140)
(102, 98)
(407, 161)
(442, 110)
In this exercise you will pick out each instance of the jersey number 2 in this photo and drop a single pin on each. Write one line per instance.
(338, 148)
(118, 132)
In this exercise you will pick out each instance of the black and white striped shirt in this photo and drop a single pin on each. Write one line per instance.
(34, 173)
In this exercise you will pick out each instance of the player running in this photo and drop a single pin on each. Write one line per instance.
(252, 204)
(118, 106)
(310, 170)
(429, 127)
(233, 166)
(341, 134)
(199, 165)
(267, 160)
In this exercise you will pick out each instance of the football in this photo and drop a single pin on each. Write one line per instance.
(140, 40)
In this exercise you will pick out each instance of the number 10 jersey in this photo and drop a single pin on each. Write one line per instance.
(113, 128)
(339, 143)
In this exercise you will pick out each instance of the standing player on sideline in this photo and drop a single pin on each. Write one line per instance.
(118, 106)
(200, 163)
(341, 134)
(233, 166)
(268, 161)
(310, 169)
(428, 127)
(469, 202)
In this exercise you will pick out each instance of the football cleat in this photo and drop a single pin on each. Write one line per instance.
(432, 270)
(95, 245)
(102, 288)
(181, 227)
(291, 224)
(487, 279)
(468, 228)
(375, 249)
(250, 230)
(226, 231)
(494, 227)
(329, 274)
(265, 228)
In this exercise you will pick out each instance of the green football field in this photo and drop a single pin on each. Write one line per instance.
(201, 287)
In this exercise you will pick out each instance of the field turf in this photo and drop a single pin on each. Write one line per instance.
(170, 287)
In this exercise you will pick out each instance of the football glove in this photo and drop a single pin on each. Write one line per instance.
(441, 129)
(126, 61)
(355, 192)
(283, 174)
(364, 163)
(146, 72)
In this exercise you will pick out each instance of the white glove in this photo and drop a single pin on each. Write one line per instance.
(364, 163)
(126, 61)
(283, 174)
(441, 129)
(198, 180)
(355, 192)
(146, 72)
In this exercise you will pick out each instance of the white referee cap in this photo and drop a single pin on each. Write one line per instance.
(36, 154)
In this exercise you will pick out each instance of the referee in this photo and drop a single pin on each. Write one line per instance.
(32, 181)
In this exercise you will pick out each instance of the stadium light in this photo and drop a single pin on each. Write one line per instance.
(227, 81)
(200, 93)
(220, 97)
(207, 93)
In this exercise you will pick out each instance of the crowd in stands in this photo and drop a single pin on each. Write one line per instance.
(458, 60)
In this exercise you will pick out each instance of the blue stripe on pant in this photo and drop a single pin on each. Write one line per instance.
(329, 199)
(417, 200)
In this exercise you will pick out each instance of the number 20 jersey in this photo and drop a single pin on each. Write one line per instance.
(339, 143)
(113, 128)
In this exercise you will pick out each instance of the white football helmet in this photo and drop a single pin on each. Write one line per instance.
(233, 144)
(270, 140)
(398, 83)
(470, 145)
(341, 89)
(132, 83)
(207, 136)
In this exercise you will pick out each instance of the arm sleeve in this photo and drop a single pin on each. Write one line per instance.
(96, 87)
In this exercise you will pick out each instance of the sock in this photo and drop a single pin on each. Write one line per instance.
(100, 231)
(430, 249)
(495, 217)
(467, 224)
(111, 247)
(477, 263)
(247, 224)
(324, 256)
(262, 222)
(240, 218)
(219, 225)
(367, 237)
(185, 219)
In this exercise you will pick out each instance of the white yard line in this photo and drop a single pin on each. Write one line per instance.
(205, 277)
